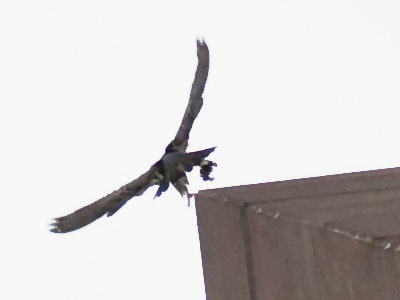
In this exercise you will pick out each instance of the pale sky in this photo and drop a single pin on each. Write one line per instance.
(92, 92)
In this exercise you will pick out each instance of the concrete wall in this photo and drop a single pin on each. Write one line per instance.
(333, 237)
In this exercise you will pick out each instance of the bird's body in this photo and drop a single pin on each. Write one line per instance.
(174, 165)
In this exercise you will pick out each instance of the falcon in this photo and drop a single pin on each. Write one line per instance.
(170, 169)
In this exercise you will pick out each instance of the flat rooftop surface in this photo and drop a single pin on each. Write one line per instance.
(329, 237)
(363, 205)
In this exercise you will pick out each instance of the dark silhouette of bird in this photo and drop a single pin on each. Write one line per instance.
(171, 168)
(174, 165)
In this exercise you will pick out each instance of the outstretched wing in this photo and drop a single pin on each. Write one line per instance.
(195, 101)
(106, 205)
(197, 157)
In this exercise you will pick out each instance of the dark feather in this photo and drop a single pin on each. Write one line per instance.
(196, 157)
(164, 184)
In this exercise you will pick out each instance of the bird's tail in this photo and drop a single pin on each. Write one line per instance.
(181, 185)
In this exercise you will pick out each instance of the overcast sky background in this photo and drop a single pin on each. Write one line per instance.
(92, 92)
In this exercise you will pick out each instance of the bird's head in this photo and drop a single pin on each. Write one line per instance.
(171, 148)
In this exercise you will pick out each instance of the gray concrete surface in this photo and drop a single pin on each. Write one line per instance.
(331, 237)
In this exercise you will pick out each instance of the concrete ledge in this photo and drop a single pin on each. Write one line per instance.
(331, 237)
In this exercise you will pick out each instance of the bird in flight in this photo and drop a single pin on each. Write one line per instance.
(171, 168)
